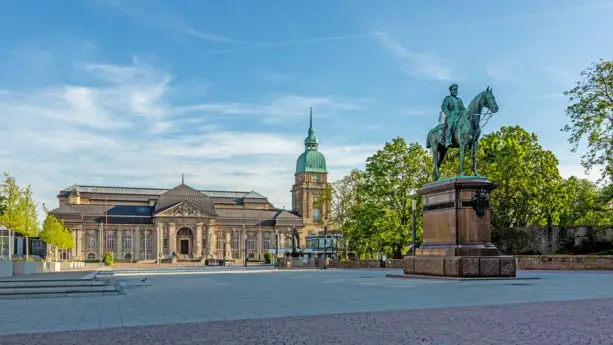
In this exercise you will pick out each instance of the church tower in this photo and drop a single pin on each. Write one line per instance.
(311, 180)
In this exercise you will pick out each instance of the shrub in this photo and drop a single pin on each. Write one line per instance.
(108, 259)
(267, 258)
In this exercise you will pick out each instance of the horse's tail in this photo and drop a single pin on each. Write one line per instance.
(428, 145)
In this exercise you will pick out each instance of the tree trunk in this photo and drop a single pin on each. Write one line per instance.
(27, 248)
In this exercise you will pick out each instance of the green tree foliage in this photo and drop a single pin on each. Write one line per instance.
(29, 226)
(108, 259)
(591, 116)
(381, 214)
(530, 189)
(12, 216)
(55, 234)
(586, 204)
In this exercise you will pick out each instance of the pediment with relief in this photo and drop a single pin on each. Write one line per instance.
(182, 210)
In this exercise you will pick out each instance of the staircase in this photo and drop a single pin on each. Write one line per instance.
(100, 284)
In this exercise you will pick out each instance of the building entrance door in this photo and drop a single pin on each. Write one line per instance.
(184, 247)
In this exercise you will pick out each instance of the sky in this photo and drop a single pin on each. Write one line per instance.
(135, 93)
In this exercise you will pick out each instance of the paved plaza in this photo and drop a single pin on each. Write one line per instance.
(262, 306)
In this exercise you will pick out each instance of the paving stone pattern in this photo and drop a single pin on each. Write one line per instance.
(343, 306)
(548, 323)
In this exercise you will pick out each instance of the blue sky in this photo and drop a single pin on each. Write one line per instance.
(134, 93)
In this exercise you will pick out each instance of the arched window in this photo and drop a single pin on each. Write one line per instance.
(128, 256)
(91, 256)
(236, 255)
(184, 232)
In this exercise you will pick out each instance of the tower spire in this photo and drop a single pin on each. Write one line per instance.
(311, 120)
(182, 178)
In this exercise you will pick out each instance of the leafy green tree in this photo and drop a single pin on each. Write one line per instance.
(2, 204)
(52, 232)
(591, 116)
(585, 204)
(393, 174)
(12, 216)
(29, 227)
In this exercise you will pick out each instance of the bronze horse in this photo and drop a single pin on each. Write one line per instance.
(465, 132)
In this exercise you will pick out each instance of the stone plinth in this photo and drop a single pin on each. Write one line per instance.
(460, 266)
(452, 225)
(458, 232)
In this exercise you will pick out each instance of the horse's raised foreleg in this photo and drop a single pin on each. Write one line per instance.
(462, 151)
(474, 149)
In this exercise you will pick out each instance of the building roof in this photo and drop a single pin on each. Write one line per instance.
(184, 193)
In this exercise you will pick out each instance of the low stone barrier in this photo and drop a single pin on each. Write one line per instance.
(564, 262)
(390, 263)
(523, 262)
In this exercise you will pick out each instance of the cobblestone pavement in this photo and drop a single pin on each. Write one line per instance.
(172, 300)
(547, 323)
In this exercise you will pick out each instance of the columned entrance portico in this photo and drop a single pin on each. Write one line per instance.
(184, 245)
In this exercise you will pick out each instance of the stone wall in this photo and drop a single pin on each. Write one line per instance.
(390, 263)
(547, 240)
(523, 262)
(564, 262)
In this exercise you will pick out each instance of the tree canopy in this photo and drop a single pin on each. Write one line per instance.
(591, 116)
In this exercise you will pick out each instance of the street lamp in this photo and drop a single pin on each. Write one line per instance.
(414, 233)
(325, 242)
(276, 245)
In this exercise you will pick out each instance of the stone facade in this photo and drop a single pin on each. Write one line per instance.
(142, 224)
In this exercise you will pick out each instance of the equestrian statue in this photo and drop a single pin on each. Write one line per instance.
(460, 127)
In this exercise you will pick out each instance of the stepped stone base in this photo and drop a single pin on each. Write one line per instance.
(460, 266)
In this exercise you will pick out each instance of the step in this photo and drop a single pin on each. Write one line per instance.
(37, 289)
(59, 294)
(47, 283)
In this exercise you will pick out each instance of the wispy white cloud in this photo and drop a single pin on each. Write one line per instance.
(418, 65)
(118, 127)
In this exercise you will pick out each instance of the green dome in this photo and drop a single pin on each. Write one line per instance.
(311, 161)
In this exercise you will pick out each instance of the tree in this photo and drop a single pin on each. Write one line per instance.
(591, 116)
(29, 227)
(393, 175)
(585, 206)
(53, 230)
(12, 216)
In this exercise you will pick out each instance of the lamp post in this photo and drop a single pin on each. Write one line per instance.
(245, 233)
(276, 245)
(414, 231)
(325, 242)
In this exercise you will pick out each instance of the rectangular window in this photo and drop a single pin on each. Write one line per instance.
(235, 239)
(127, 240)
(91, 241)
(165, 244)
(251, 243)
(316, 214)
(267, 240)
(219, 242)
(148, 241)
(110, 241)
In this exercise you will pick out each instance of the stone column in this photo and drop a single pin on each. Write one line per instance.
(158, 238)
(172, 238)
(228, 237)
(136, 244)
(209, 240)
(119, 244)
(198, 246)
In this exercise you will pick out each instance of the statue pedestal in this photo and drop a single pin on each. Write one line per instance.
(458, 232)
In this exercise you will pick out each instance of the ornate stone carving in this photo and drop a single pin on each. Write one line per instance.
(185, 210)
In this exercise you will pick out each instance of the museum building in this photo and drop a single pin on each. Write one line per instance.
(186, 223)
